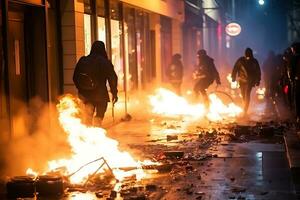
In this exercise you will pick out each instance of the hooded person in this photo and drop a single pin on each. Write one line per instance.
(268, 68)
(91, 75)
(205, 74)
(295, 78)
(247, 72)
(175, 73)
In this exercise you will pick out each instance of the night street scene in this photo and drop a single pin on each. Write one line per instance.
(150, 99)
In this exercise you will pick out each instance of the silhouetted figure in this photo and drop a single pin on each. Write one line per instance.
(175, 73)
(248, 71)
(91, 74)
(286, 79)
(295, 77)
(268, 67)
(205, 74)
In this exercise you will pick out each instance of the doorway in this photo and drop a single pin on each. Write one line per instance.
(27, 63)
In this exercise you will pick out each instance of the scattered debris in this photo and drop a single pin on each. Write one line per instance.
(174, 154)
(238, 189)
(172, 137)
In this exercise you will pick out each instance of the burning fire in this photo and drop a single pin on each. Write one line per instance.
(87, 144)
(261, 93)
(233, 85)
(167, 103)
(32, 173)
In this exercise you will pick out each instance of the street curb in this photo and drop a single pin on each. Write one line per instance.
(292, 146)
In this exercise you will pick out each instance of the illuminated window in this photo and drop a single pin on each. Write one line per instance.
(101, 21)
(87, 34)
(101, 29)
(116, 51)
(116, 57)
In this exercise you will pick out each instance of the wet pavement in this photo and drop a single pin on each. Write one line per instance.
(214, 164)
(255, 168)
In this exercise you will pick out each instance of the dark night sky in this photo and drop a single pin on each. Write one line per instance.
(264, 27)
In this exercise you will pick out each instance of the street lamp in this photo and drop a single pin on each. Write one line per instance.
(261, 2)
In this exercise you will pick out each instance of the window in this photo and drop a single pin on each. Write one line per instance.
(116, 57)
(101, 29)
(87, 20)
(87, 34)
(130, 48)
(101, 21)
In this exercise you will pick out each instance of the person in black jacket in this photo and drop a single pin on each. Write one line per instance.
(249, 75)
(295, 77)
(91, 74)
(205, 74)
(269, 69)
(175, 73)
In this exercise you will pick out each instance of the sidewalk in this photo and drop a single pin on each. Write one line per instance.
(292, 145)
(240, 170)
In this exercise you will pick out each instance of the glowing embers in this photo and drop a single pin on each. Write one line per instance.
(261, 93)
(90, 144)
(219, 111)
(167, 103)
(233, 84)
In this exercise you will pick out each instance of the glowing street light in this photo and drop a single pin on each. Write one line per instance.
(261, 2)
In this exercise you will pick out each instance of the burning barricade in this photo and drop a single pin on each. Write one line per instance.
(94, 155)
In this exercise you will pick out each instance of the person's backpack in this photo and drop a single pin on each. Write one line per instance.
(85, 75)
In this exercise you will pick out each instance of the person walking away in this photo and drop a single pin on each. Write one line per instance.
(205, 74)
(90, 76)
(247, 70)
(175, 73)
(273, 70)
(286, 79)
(268, 69)
(295, 77)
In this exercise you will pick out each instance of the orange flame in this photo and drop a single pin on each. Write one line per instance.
(233, 84)
(261, 92)
(167, 103)
(89, 143)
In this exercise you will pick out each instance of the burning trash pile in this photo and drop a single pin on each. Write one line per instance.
(167, 103)
(94, 156)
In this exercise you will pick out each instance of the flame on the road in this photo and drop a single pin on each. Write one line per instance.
(233, 84)
(30, 172)
(219, 111)
(261, 92)
(167, 103)
(89, 143)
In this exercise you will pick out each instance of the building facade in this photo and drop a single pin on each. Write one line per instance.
(41, 41)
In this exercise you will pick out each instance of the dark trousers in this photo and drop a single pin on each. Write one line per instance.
(201, 87)
(246, 93)
(94, 108)
(297, 99)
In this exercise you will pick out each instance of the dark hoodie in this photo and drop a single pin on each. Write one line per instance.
(97, 65)
(247, 70)
(175, 70)
(207, 68)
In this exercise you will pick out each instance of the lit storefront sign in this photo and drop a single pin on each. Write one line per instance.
(233, 29)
